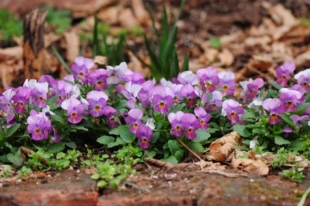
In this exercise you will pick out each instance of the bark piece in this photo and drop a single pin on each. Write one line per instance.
(33, 48)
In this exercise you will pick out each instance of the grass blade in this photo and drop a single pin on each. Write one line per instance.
(185, 66)
(95, 38)
(61, 60)
(303, 198)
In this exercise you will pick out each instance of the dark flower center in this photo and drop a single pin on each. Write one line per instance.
(208, 85)
(233, 115)
(81, 75)
(190, 130)
(202, 122)
(99, 83)
(73, 115)
(289, 104)
(41, 99)
(135, 125)
(38, 131)
(20, 105)
(305, 84)
(161, 105)
(213, 106)
(97, 107)
(283, 78)
(225, 88)
(178, 128)
(273, 117)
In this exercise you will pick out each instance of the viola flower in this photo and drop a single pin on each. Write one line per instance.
(299, 119)
(233, 110)
(74, 108)
(303, 79)
(208, 79)
(135, 78)
(290, 98)
(63, 89)
(131, 93)
(251, 88)
(283, 73)
(190, 125)
(144, 134)
(38, 93)
(187, 77)
(98, 79)
(176, 124)
(203, 117)
(145, 92)
(20, 103)
(52, 84)
(188, 92)
(55, 137)
(163, 99)
(10, 120)
(47, 111)
(274, 107)
(214, 103)
(150, 122)
(39, 125)
(110, 113)
(134, 117)
(227, 83)
(80, 68)
(6, 100)
(117, 73)
(97, 101)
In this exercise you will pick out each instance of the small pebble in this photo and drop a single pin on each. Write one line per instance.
(78, 171)
(252, 180)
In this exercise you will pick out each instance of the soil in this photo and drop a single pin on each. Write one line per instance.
(201, 19)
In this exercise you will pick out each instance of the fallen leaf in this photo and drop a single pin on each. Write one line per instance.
(101, 60)
(140, 12)
(109, 15)
(221, 148)
(127, 19)
(226, 57)
(73, 45)
(250, 165)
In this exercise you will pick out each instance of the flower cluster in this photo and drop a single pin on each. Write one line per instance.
(117, 95)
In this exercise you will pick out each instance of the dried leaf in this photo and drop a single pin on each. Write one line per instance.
(226, 57)
(73, 45)
(109, 15)
(221, 148)
(250, 165)
(140, 12)
(101, 60)
(127, 19)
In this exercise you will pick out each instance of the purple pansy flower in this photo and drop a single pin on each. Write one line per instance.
(274, 106)
(98, 79)
(144, 134)
(39, 125)
(145, 92)
(163, 99)
(227, 83)
(190, 125)
(97, 101)
(134, 116)
(80, 68)
(251, 88)
(290, 99)
(303, 79)
(187, 77)
(176, 124)
(214, 103)
(283, 73)
(38, 93)
(63, 89)
(188, 92)
(131, 93)
(208, 79)
(299, 119)
(203, 117)
(117, 73)
(75, 109)
(6, 100)
(233, 110)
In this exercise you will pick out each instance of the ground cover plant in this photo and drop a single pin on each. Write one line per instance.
(119, 109)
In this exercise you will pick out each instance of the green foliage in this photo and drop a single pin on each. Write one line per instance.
(164, 59)
(9, 26)
(113, 169)
(280, 158)
(215, 42)
(61, 19)
(24, 171)
(114, 51)
(294, 174)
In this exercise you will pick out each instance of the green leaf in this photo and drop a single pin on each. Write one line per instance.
(58, 118)
(11, 130)
(288, 120)
(15, 159)
(102, 184)
(250, 114)
(174, 146)
(215, 42)
(301, 108)
(303, 198)
(171, 159)
(95, 176)
(179, 155)
(242, 130)
(105, 140)
(114, 131)
(71, 145)
(125, 134)
(178, 107)
(150, 153)
(61, 60)
(196, 146)
(79, 128)
(297, 145)
(56, 147)
(275, 84)
(185, 66)
(202, 135)
(280, 141)
(117, 142)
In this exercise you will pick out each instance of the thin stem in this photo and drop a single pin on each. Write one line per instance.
(191, 151)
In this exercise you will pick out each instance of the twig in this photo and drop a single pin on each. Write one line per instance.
(136, 186)
(218, 172)
(191, 151)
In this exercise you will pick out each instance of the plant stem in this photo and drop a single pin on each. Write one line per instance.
(191, 151)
